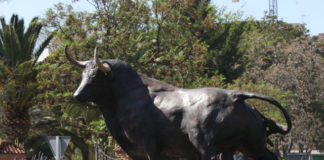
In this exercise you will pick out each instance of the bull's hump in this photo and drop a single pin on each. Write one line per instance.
(189, 98)
(210, 96)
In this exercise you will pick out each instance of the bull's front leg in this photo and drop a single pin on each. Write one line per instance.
(227, 156)
(153, 156)
(152, 149)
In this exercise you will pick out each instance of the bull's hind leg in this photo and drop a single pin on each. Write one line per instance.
(138, 158)
(227, 156)
(209, 154)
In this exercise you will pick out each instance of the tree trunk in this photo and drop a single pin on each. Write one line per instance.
(85, 152)
(16, 124)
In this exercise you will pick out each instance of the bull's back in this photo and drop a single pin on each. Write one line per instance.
(212, 114)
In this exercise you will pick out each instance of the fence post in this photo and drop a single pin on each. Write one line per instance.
(101, 155)
(96, 152)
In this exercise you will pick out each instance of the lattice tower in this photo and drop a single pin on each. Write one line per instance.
(273, 9)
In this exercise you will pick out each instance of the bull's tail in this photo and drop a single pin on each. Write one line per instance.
(273, 126)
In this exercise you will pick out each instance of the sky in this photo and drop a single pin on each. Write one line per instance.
(309, 12)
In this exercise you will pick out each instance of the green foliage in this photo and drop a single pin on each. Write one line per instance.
(265, 39)
(227, 53)
(284, 56)
(22, 80)
(101, 137)
(191, 36)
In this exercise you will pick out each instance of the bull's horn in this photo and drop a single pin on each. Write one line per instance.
(103, 67)
(73, 61)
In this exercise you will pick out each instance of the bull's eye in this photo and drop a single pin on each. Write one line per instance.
(93, 76)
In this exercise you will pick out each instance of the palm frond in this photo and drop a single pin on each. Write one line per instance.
(20, 28)
(3, 22)
(10, 44)
(30, 38)
(16, 46)
(1, 48)
(18, 25)
(5, 73)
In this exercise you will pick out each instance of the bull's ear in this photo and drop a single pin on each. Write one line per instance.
(107, 65)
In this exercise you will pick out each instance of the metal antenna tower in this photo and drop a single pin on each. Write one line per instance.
(273, 9)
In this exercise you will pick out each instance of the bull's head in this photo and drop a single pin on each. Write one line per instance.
(94, 78)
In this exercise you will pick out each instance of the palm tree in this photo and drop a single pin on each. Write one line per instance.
(18, 55)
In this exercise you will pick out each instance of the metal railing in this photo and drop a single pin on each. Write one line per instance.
(298, 156)
(100, 154)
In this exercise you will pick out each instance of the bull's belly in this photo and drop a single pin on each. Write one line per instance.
(235, 139)
(174, 152)
(231, 135)
(180, 153)
(139, 154)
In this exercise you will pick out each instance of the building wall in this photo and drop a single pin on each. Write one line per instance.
(321, 36)
(121, 155)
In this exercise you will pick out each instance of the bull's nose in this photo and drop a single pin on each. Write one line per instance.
(75, 95)
(78, 97)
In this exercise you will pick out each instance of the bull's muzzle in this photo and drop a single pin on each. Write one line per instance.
(81, 94)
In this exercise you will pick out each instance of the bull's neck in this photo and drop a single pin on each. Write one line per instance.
(128, 85)
(131, 91)
(130, 96)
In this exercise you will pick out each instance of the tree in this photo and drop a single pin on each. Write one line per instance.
(18, 55)
(289, 60)
(2, 134)
(199, 39)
